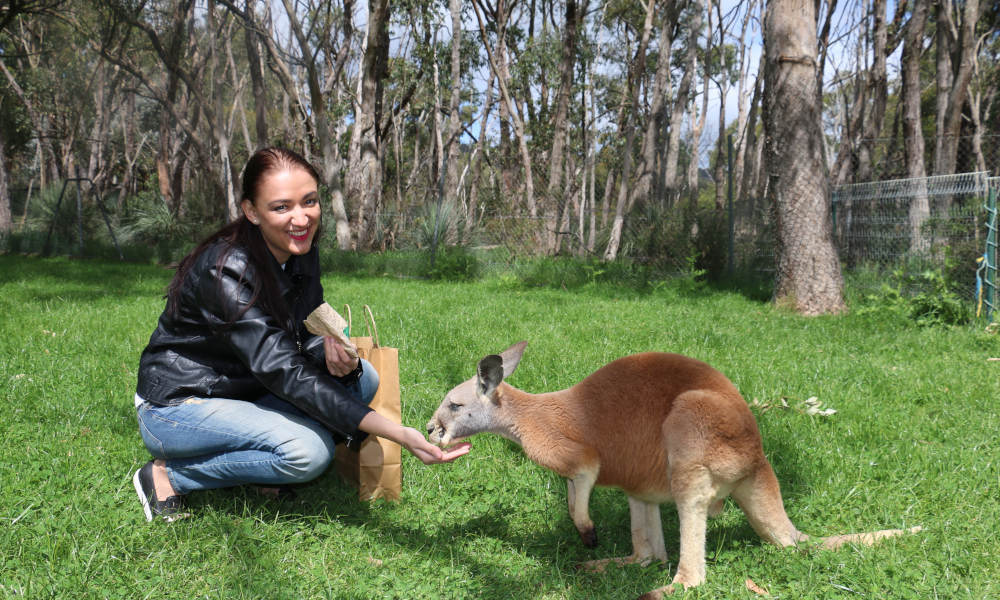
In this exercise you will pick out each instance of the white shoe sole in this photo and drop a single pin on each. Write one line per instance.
(142, 496)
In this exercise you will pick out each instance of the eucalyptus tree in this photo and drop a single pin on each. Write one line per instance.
(913, 134)
(493, 21)
(808, 270)
(957, 40)
(636, 72)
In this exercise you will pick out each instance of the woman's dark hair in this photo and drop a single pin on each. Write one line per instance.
(244, 234)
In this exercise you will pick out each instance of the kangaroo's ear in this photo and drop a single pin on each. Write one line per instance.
(489, 374)
(511, 357)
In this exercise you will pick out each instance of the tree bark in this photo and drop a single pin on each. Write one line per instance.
(913, 135)
(330, 162)
(554, 193)
(498, 64)
(646, 170)
(719, 171)
(454, 130)
(364, 171)
(260, 104)
(671, 176)
(963, 62)
(697, 126)
(6, 220)
(636, 71)
(808, 271)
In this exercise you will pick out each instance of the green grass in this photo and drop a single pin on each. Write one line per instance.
(914, 442)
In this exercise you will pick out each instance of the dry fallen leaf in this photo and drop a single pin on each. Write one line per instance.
(753, 587)
(812, 407)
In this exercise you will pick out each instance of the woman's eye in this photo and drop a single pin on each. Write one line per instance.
(311, 201)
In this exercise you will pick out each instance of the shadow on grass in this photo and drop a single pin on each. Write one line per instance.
(80, 279)
(556, 548)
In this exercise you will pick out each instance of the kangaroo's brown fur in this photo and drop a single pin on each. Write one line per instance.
(662, 427)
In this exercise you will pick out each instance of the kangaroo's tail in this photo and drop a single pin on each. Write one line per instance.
(760, 498)
(865, 539)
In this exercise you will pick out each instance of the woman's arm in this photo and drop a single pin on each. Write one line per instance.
(411, 439)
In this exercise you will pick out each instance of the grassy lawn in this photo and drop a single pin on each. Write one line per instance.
(913, 442)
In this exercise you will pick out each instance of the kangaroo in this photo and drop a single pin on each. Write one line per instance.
(662, 427)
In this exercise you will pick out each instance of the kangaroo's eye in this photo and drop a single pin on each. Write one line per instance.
(453, 406)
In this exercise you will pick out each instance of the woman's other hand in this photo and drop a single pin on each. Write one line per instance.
(338, 362)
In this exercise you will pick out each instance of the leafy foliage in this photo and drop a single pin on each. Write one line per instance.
(925, 297)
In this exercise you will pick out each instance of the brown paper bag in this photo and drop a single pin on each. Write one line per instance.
(376, 467)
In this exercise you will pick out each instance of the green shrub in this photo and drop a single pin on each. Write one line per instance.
(925, 297)
(451, 263)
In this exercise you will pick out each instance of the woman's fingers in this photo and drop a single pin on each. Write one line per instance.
(338, 362)
(454, 452)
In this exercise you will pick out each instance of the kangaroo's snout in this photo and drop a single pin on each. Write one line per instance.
(435, 431)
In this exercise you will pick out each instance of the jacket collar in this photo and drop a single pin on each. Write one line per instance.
(296, 273)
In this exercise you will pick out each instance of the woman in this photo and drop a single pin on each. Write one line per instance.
(232, 389)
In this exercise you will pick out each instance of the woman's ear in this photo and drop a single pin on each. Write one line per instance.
(250, 211)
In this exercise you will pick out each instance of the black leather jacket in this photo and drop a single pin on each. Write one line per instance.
(200, 353)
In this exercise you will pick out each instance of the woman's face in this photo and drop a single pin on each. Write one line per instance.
(287, 210)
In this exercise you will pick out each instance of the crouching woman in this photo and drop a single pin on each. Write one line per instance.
(232, 389)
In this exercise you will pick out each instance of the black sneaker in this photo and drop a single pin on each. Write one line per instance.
(169, 510)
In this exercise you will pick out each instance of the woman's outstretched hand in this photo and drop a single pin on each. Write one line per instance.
(411, 439)
(428, 453)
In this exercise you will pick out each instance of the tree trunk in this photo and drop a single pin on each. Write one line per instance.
(260, 104)
(808, 271)
(454, 130)
(963, 62)
(554, 196)
(878, 92)
(697, 126)
(481, 147)
(943, 41)
(636, 71)
(6, 221)
(364, 171)
(646, 169)
(743, 109)
(719, 171)
(913, 135)
(671, 172)
(498, 64)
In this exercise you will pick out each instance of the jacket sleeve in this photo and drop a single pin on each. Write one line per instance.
(272, 355)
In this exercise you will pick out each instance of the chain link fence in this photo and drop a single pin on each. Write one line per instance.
(945, 223)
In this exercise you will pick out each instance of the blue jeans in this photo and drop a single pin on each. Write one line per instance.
(212, 443)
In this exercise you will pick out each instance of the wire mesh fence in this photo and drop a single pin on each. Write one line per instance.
(945, 223)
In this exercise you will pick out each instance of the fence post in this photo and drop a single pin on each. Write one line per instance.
(732, 221)
(990, 283)
(79, 213)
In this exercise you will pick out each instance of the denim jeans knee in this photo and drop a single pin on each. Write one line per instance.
(213, 442)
